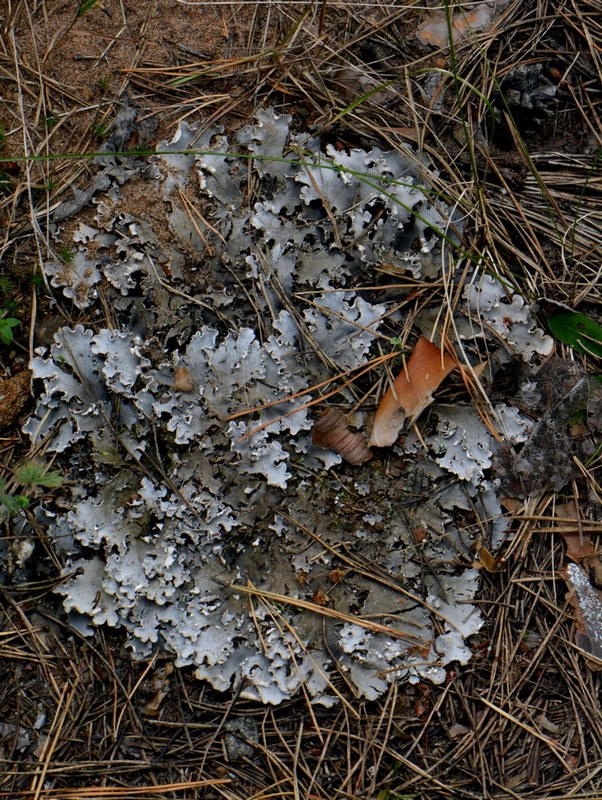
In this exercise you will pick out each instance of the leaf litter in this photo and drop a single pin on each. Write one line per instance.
(185, 523)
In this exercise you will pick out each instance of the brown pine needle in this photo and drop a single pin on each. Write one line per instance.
(366, 368)
(116, 792)
(375, 627)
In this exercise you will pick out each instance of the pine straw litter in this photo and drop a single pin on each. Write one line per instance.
(79, 718)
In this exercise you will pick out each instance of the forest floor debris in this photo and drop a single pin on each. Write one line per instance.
(402, 614)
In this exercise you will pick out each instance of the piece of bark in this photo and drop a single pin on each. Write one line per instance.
(588, 613)
(332, 432)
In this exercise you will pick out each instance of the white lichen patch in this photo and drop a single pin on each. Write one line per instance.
(498, 309)
(161, 546)
(173, 528)
(76, 275)
(590, 605)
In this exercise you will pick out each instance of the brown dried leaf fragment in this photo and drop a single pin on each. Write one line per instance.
(412, 391)
(319, 598)
(160, 686)
(183, 380)
(15, 392)
(456, 730)
(332, 432)
(579, 546)
(487, 560)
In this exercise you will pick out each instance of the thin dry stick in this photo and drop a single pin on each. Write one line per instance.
(148, 668)
(188, 297)
(117, 792)
(280, 622)
(53, 737)
(371, 365)
(357, 567)
(343, 318)
(554, 746)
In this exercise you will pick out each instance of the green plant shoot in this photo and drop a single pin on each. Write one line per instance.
(6, 329)
(34, 474)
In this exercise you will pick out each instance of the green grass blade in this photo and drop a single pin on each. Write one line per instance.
(84, 6)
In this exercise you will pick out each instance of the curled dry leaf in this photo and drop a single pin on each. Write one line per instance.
(331, 431)
(411, 392)
(487, 560)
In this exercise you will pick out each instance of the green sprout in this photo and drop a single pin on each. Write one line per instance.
(101, 130)
(104, 83)
(6, 284)
(142, 148)
(6, 329)
(34, 474)
(12, 307)
(65, 254)
(11, 502)
(84, 6)
(37, 280)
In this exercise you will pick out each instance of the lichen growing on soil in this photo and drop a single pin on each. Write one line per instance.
(181, 517)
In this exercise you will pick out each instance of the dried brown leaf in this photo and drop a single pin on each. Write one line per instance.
(15, 393)
(412, 391)
(579, 546)
(319, 598)
(490, 562)
(183, 380)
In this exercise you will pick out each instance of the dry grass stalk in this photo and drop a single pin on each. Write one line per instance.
(326, 612)
(540, 224)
